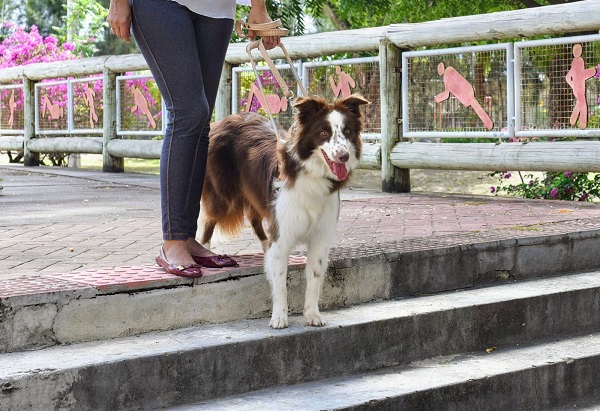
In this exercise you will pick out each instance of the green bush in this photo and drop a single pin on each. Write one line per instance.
(553, 186)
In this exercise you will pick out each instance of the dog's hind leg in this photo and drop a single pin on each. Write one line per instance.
(207, 233)
(257, 225)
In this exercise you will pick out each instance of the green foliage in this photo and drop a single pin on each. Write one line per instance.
(83, 35)
(552, 186)
(45, 14)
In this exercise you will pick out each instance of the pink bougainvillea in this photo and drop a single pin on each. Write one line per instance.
(22, 47)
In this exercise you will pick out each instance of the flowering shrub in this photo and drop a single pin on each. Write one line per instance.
(553, 186)
(21, 48)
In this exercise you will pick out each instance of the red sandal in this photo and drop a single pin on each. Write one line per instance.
(190, 270)
(215, 261)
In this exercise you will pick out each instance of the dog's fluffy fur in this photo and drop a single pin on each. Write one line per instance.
(293, 184)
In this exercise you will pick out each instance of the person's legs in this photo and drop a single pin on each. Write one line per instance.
(185, 53)
(212, 37)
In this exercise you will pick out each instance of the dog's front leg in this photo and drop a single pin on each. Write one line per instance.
(276, 262)
(316, 268)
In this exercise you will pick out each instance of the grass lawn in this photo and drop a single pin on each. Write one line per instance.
(132, 165)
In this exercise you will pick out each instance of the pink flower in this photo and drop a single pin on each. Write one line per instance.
(568, 174)
(554, 192)
(492, 189)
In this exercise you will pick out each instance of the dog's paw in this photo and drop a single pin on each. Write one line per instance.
(314, 320)
(278, 321)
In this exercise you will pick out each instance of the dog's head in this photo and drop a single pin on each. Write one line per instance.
(327, 136)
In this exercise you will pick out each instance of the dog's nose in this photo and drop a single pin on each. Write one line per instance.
(343, 156)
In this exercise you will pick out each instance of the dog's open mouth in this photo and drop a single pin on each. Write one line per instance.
(339, 169)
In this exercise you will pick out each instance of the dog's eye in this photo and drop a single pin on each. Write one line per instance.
(347, 131)
(324, 134)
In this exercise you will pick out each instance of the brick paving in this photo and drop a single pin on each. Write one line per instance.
(67, 228)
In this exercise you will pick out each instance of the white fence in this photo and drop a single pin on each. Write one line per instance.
(110, 134)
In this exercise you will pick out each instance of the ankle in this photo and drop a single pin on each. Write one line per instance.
(174, 244)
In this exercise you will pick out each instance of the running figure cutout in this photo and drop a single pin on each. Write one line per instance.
(140, 103)
(345, 83)
(54, 110)
(460, 88)
(576, 78)
(88, 98)
(12, 105)
(275, 103)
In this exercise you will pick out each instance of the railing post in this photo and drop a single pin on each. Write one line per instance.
(393, 179)
(29, 159)
(109, 132)
(223, 104)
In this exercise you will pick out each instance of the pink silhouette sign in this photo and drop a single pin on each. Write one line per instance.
(140, 103)
(576, 78)
(344, 85)
(275, 103)
(88, 98)
(54, 110)
(460, 88)
(12, 105)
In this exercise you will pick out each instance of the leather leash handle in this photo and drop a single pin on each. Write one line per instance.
(272, 28)
(258, 44)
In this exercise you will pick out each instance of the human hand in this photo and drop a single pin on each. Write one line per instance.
(258, 14)
(119, 19)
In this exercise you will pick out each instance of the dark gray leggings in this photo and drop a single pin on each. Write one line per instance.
(185, 52)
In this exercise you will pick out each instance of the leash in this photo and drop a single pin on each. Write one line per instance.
(272, 28)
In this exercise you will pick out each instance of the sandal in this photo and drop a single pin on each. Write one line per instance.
(215, 261)
(190, 270)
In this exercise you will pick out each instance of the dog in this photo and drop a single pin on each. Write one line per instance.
(290, 180)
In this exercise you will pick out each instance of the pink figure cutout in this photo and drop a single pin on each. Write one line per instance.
(275, 103)
(576, 78)
(460, 88)
(345, 83)
(140, 103)
(12, 105)
(54, 110)
(88, 98)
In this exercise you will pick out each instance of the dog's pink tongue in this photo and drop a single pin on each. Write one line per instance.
(339, 169)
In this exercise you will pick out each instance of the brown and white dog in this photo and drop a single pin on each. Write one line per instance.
(292, 181)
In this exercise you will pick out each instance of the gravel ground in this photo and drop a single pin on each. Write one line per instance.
(437, 181)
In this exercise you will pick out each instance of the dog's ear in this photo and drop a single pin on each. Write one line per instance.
(354, 102)
(310, 105)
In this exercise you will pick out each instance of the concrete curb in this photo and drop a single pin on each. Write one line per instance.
(77, 312)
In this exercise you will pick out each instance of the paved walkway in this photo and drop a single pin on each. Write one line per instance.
(59, 221)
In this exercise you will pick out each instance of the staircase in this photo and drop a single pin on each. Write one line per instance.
(494, 322)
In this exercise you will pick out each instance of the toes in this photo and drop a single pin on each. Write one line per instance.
(278, 322)
(315, 320)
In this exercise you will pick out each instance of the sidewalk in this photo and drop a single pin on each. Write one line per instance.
(59, 221)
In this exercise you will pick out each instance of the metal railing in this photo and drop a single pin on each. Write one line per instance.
(397, 120)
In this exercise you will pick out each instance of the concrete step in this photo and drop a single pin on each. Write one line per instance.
(539, 377)
(216, 360)
(46, 310)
